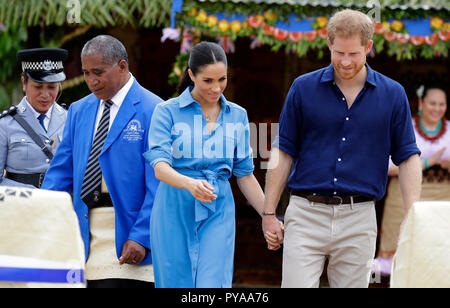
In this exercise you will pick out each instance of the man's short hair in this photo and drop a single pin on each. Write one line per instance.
(347, 23)
(111, 48)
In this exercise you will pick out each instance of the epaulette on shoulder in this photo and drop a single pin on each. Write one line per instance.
(10, 111)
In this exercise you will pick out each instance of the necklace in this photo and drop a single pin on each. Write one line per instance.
(209, 117)
(433, 135)
(431, 132)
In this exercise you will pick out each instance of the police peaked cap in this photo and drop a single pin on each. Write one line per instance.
(44, 65)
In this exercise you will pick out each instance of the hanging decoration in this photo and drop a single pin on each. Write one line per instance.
(404, 34)
(186, 41)
(429, 36)
(226, 43)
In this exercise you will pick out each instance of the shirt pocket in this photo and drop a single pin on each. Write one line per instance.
(18, 148)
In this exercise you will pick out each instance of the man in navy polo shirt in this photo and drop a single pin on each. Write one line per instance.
(338, 128)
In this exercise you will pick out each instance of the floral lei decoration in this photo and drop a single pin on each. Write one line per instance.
(427, 137)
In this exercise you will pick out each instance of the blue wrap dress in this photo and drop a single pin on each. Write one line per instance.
(192, 242)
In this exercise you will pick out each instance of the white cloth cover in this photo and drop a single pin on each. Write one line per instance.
(422, 259)
(103, 262)
(39, 231)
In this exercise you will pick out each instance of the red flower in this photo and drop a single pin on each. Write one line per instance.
(311, 35)
(268, 29)
(254, 21)
(295, 36)
(390, 36)
(444, 35)
(379, 29)
(431, 39)
(417, 40)
(280, 34)
(323, 33)
(382, 27)
(403, 38)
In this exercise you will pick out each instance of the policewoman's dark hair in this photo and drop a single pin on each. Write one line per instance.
(25, 80)
(202, 54)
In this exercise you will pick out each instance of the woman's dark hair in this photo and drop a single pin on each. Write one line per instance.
(202, 54)
(433, 85)
(25, 77)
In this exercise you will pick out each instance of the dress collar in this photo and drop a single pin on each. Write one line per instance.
(185, 99)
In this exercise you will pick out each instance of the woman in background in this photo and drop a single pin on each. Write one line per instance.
(432, 132)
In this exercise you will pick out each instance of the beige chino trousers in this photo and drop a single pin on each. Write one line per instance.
(345, 234)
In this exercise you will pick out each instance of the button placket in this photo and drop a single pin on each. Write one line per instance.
(342, 145)
(194, 255)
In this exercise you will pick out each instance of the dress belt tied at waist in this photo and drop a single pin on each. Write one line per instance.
(212, 177)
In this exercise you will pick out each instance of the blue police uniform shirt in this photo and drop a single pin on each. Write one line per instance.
(18, 152)
(341, 151)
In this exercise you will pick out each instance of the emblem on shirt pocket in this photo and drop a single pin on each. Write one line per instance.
(133, 132)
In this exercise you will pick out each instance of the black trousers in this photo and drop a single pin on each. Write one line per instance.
(119, 283)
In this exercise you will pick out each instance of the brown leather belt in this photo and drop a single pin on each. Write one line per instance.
(330, 200)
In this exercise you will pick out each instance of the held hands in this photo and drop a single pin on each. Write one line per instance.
(273, 232)
(201, 190)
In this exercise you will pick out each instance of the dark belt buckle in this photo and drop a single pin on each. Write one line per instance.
(341, 201)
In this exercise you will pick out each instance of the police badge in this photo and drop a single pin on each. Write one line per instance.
(47, 65)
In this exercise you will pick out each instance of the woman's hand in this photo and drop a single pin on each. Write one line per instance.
(201, 190)
(273, 232)
(436, 158)
(445, 163)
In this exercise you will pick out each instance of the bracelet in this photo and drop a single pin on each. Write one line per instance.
(425, 162)
(268, 213)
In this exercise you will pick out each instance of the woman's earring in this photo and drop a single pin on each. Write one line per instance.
(420, 113)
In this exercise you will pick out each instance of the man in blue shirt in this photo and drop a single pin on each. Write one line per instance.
(338, 128)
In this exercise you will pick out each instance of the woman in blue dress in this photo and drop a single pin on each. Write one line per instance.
(197, 142)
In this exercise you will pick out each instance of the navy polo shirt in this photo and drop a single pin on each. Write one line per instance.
(341, 151)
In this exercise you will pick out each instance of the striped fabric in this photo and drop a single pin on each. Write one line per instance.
(93, 174)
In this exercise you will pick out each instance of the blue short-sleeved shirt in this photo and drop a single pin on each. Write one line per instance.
(342, 151)
(179, 136)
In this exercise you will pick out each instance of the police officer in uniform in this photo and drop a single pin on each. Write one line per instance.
(31, 131)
